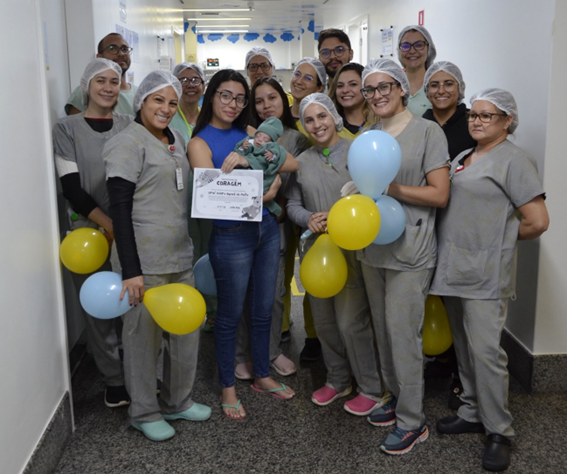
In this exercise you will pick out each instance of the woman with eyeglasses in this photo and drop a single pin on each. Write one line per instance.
(445, 88)
(397, 275)
(309, 76)
(496, 199)
(268, 99)
(244, 255)
(416, 52)
(342, 321)
(259, 64)
(146, 177)
(349, 101)
(192, 79)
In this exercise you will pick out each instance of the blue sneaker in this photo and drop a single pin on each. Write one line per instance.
(401, 441)
(385, 415)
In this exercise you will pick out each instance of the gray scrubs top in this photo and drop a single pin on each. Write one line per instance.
(316, 186)
(125, 101)
(159, 212)
(294, 142)
(75, 141)
(478, 230)
(424, 149)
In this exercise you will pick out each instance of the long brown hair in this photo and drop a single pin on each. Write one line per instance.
(369, 116)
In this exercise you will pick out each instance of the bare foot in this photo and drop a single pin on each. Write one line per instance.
(231, 406)
(269, 383)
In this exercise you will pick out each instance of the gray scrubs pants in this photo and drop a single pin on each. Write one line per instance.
(397, 302)
(141, 339)
(344, 328)
(476, 327)
(102, 338)
(243, 352)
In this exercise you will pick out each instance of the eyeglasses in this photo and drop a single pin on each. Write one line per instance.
(307, 77)
(484, 117)
(226, 98)
(449, 86)
(418, 46)
(384, 89)
(339, 52)
(264, 66)
(114, 49)
(193, 81)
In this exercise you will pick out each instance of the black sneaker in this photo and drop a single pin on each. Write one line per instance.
(455, 394)
(311, 351)
(286, 336)
(115, 397)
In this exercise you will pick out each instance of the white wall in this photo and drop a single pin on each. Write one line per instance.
(90, 20)
(33, 348)
(551, 323)
(502, 44)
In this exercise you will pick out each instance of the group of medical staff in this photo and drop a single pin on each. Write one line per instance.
(124, 156)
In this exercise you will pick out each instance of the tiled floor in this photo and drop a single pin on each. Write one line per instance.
(298, 436)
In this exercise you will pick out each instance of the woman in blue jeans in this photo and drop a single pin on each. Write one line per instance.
(244, 255)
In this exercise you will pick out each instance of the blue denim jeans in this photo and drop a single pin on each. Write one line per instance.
(245, 261)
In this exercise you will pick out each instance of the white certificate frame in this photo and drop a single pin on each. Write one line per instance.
(236, 196)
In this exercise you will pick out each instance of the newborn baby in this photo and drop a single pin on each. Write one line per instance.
(263, 153)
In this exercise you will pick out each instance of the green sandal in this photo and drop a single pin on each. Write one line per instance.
(226, 405)
(273, 391)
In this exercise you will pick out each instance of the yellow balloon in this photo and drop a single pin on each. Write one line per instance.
(436, 330)
(84, 250)
(323, 271)
(353, 222)
(177, 308)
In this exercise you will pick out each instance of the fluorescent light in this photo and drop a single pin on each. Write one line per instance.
(217, 9)
(232, 18)
(223, 26)
(223, 31)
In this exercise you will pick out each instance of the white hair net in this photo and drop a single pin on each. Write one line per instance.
(317, 65)
(393, 69)
(325, 101)
(502, 100)
(96, 66)
(431, 51)
(259, 51)
(449, 68)
(153, 82)
(182, 66)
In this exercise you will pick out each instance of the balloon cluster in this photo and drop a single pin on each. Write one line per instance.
(177, 308)
(358, 220)
(374, 160)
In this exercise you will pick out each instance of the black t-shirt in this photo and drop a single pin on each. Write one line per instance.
(456, 130)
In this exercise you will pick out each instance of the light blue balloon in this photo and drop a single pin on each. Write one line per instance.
(374, 159)
(100, 296)
(204, 276)
(392, 220)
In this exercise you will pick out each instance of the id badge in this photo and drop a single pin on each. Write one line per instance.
(179, 178)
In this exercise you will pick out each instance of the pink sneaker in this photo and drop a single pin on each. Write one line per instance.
(326, 395)
(362, 405)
